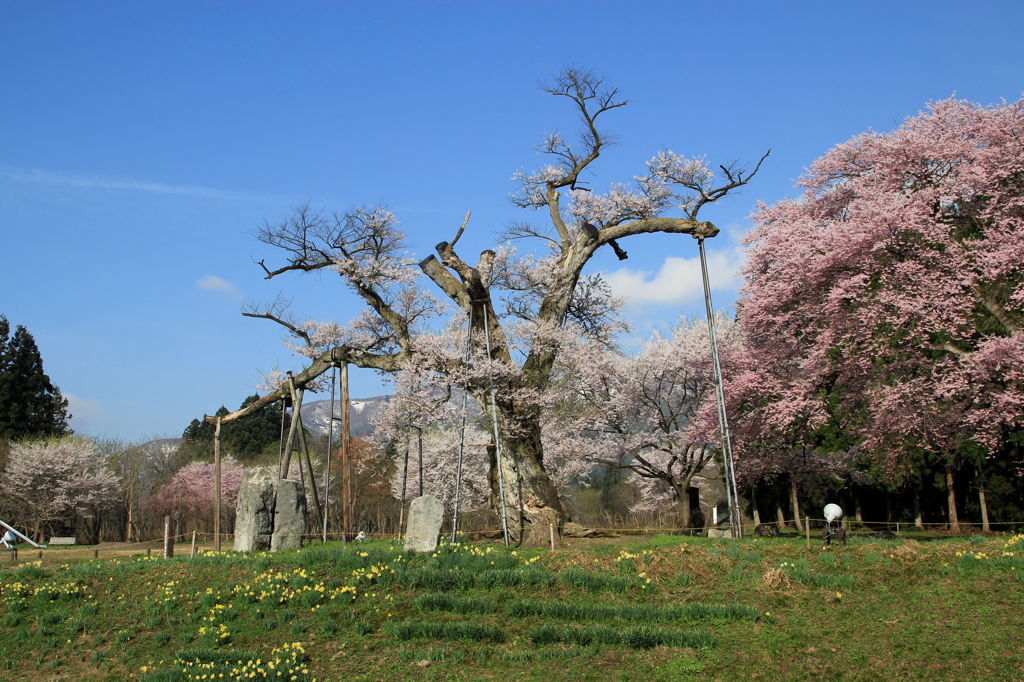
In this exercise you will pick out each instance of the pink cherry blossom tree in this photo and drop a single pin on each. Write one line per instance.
(889, 298)
(189, 496)
(366, 248)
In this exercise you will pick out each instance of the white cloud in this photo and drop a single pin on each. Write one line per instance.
(101, 182)
(215, 283)
(87, 414)
(678, 281)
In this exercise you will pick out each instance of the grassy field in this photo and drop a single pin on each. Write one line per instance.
(637, 608)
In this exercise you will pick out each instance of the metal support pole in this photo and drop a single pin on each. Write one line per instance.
(732, 493)
(346, 460)
(216, 476)
(405, 480)
(22, 535)
(497, 442)
(330, 445)
(419, 453)
(462, 430)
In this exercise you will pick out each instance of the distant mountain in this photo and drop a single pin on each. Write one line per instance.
(163, 443)
(316, 415)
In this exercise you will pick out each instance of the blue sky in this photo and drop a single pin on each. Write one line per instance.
(142, 142)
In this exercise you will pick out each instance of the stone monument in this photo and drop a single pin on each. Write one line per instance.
(289, 516)
(425, 515)
(254, 511)
(723, 528)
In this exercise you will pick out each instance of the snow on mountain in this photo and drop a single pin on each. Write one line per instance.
(316, 415)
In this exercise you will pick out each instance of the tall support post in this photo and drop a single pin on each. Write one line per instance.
(405, 480)
(296, 408)
(462, 431)
(346, 457)
(168, 540)
(419, 453)
(732, 493)
(216, 476)
(330, 446)
(309, 467)
(497, 442)
(280, 440)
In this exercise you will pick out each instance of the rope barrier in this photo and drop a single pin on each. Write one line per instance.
(207, 538)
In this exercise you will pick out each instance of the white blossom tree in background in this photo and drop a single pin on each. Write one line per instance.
(57, 483)
(653, 414)
(524, 303)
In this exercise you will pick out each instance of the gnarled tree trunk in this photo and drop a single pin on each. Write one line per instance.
(796, 507)
(531, 503)
(954, 521)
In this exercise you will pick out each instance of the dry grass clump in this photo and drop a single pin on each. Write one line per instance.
(775, 578)
(907, 547)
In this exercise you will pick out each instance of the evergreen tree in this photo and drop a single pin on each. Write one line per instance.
(251, 436)
(198, 437)
(30, 405)
(245, 439)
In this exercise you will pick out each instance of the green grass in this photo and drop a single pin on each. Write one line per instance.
(644, 613)
(453, 604)
(635, 638)
(658, 608)
(457, 631)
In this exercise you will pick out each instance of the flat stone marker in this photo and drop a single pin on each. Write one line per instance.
(289, 516)
(425, 515)
(254, 511)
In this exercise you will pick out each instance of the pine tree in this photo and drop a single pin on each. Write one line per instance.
(30, 405)
(250, 436)
(246, 439)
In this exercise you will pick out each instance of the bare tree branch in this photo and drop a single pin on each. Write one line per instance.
(461, 228)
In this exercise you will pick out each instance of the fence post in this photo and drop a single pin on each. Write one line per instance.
(807, 527)
(552, 530)
(168, 540)
(95, 554)
(193, 554)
